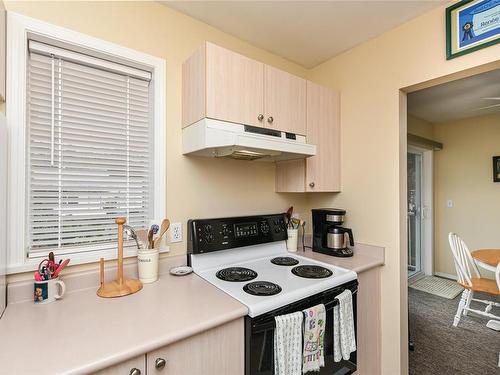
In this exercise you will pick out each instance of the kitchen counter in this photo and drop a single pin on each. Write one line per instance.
(82, 333)
(365, 257)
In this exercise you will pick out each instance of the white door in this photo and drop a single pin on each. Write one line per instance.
(414, 165)
(3, 211)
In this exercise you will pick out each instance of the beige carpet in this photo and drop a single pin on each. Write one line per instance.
(440, 348)
(438, 286)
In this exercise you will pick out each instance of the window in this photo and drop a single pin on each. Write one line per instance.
(87, 149)
(91, 147)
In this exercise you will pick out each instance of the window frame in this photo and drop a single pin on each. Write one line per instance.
(19, 29)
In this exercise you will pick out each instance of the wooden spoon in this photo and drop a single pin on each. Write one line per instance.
(165, 224)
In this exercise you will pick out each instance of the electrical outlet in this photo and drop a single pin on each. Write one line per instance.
(176, 232)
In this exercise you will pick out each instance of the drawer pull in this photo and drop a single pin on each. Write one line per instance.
(270, 119)
(135, 371)
(260, 117)
(312, 184)
(160, 363)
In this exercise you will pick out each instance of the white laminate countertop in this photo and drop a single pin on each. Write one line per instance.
(82, 333)
(365, 257)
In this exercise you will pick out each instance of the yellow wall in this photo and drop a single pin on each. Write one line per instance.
(420, 127)
(463, 173)
(196, 187)
(369, 78)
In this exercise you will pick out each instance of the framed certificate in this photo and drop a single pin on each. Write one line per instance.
(496, 168)
(471, 25)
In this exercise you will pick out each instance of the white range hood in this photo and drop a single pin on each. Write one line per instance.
(214, 138)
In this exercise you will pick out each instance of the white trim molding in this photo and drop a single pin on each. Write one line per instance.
(19, 29)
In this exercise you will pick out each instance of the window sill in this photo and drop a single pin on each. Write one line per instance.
(31, 264)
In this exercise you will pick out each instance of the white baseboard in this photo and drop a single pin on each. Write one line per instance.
(446, 275)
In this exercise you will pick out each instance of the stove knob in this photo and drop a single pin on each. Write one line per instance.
(209, 238)
(208, 228)
(264, 227)
(226, 231)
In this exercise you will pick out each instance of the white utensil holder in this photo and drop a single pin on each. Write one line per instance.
(147, 263)
(291, 242)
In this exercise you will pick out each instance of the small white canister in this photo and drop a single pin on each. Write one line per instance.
(291, 242)
(147, 262)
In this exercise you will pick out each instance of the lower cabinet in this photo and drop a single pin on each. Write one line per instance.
(369, 322)
(217, 351)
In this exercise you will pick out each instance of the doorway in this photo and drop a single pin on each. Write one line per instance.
(461, 137)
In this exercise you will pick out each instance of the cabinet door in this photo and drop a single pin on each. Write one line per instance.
(290, 176)
(323, 130)
(214, 352)
(234, 85)
(134, 366)
(3, 64)
(284, 101)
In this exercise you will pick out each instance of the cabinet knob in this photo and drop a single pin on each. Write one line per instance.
(311, 184)
(270, 119)
(160, 363)
(135, 371)
(260, 117)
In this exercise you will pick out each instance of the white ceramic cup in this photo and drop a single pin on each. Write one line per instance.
(147, 263)
(49, 290)
(291, 242)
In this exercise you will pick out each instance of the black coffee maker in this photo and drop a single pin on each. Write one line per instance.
(329, 236)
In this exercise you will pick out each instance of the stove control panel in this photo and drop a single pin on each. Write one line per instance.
(207, 235)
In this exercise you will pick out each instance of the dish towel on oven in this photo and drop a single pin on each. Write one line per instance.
(314, 333)
(344, 338)
(287, 344)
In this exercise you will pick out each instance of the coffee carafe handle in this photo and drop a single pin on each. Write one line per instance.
(351, 237)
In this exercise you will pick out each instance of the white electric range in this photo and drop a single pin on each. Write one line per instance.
(235, 271)
(246, 257)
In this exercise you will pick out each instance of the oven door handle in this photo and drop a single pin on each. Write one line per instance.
(270, 323)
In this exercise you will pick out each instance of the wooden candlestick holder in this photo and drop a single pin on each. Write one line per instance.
(119, 287)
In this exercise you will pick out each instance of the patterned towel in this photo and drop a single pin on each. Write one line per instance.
(344, 338)
(287, 344)
(314, 333)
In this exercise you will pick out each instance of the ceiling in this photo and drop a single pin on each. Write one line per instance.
(305, 32)
(468, 97)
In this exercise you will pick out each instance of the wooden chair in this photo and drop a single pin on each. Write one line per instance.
(469, 277)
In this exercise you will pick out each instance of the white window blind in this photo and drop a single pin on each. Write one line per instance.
(89, 150)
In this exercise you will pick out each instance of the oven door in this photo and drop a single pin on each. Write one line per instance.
(259, 336)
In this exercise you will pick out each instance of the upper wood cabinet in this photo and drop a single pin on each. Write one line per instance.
(224, 85)
(320, 173)
(3, 32)
(284, 101)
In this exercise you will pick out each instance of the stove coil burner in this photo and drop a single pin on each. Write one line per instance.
(284, 261)
(310, 271)
(236, 274)
(262, 288)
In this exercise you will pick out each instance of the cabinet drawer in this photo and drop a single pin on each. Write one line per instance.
(214, 352)
(134, 366)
